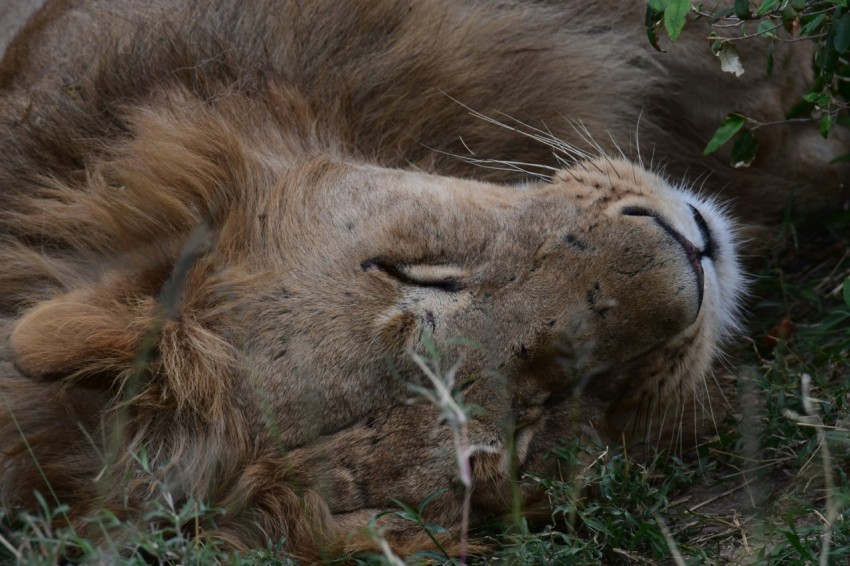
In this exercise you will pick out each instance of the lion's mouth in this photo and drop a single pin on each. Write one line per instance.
(694, 254)
(525, 430)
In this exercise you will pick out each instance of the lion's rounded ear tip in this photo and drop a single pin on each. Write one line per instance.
(78, 333)
(23, 360)
(22, 371)
(33, 348)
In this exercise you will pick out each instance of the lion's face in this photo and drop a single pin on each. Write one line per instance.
(605, 291)
(219, 249)
(593, 302)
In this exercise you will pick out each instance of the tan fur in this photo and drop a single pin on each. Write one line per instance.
(223, 239)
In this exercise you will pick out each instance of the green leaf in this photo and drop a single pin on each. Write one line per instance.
(846, 291)
(436, 529)
(730, 126)
(652, 21)
(718, 15)
(675, 16)
(800, 110)
(819, 98)
(794, 539)
(744, 149)
(141, 457)
(406, 512)
(424, 503)
(830, 57)
(767, 28)
(766, 7)
(841, 27)
(771, 47)
(812, 26)
(825, 124)
(658, 5)
(716, 44)
(188, 511)
(742, 9)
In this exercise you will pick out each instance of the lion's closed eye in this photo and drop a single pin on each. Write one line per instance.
(445, 277)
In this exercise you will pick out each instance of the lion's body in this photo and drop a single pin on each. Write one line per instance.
(225, 229)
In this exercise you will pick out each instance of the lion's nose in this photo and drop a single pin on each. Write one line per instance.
(693, 253)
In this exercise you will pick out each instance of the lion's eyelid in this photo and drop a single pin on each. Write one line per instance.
(430, 273)
(441, 276)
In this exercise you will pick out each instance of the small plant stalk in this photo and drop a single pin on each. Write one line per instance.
(454, 414)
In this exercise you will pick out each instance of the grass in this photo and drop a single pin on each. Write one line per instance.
(769, 487)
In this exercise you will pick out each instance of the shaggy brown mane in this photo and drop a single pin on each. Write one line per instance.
(356, 90)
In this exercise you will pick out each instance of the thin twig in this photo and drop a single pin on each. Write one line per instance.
(11, 549)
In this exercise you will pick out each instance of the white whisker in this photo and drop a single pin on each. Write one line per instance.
(637, 140)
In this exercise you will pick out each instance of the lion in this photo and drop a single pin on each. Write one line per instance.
(238, 238)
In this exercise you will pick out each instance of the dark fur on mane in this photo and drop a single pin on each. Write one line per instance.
(382, 86)
(385, 85)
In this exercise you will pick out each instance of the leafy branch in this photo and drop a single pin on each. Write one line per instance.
(826, 23)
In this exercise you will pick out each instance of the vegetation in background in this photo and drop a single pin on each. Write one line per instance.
(826, 23)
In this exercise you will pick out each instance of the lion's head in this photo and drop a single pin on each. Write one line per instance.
(247, 272)
(244, 307)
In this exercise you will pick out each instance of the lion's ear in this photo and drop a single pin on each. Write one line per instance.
(84, 333)
(98, 335)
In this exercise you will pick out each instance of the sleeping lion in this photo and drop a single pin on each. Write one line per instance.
(237, 238)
